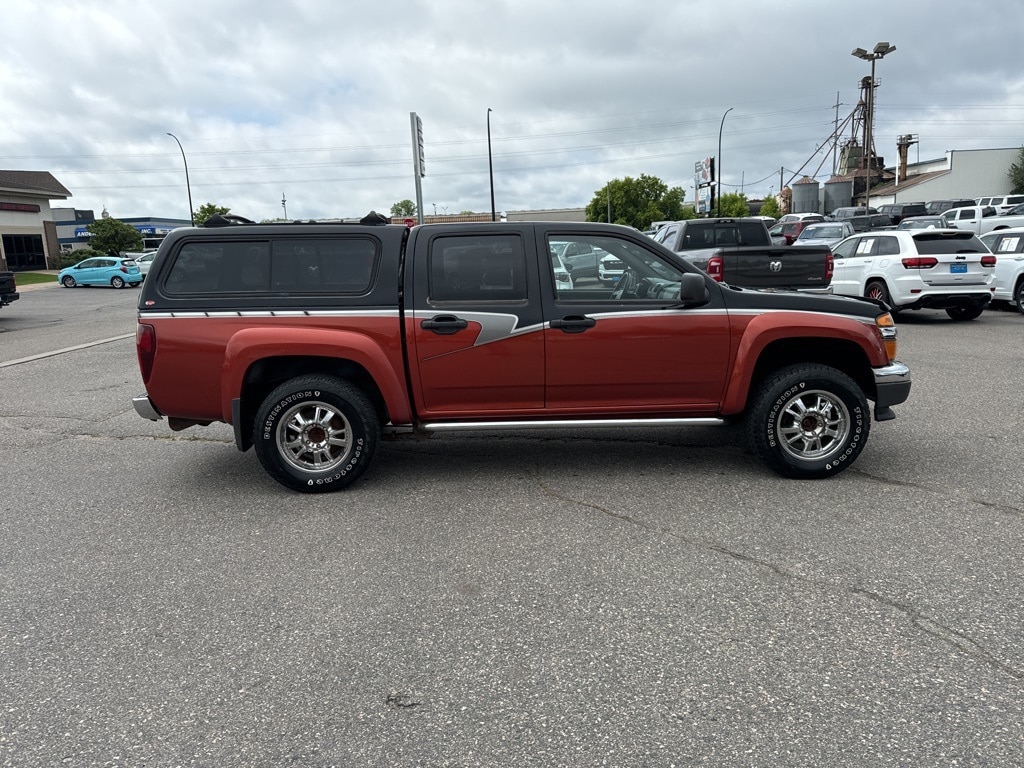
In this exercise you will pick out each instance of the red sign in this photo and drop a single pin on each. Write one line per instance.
(22, 207)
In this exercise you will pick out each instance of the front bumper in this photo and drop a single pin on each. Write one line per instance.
(892, 387)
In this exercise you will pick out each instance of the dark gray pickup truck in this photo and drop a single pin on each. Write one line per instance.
(8, 288)
(739, 251)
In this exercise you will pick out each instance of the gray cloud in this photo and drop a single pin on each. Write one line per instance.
(312, 99)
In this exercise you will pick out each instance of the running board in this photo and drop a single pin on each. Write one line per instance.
(465, 426)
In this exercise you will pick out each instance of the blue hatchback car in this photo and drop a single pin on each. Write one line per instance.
(101, 270)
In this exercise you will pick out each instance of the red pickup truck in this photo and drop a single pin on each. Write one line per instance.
(312, 340)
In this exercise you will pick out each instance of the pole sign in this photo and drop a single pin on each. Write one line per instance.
(418, 164)
(419, 161)
(704, 182)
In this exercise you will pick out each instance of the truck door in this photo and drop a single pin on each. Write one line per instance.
(629, 349)
(475, 331)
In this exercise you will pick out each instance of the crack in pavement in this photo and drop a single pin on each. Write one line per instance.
(952, 637)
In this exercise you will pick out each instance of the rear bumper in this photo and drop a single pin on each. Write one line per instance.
(145, 408)
(7, 298)
(950, 301)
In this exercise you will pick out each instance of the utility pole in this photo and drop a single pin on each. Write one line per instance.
(283, 205)
(835, 133)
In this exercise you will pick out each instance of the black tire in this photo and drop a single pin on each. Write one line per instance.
(808, 421)
(316, 434)
(117, 282)
(966, 313)
(1018, 296)
(876, 290)
(68, 281)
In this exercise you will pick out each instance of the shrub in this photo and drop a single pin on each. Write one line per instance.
(70, 258)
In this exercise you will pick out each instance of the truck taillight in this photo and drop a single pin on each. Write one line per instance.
(988, 261)
(715, 266)
(920, 262)
(887, 328)
(145, 348)
(830, 267)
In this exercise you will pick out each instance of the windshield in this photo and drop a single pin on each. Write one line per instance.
(821, 232)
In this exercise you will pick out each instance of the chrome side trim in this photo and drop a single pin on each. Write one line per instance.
(465, 426)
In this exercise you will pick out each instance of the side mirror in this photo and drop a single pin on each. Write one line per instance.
(692, 289)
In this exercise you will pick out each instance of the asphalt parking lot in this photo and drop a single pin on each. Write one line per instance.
(647, 598)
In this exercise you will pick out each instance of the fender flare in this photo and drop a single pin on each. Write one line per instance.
(250, 345)
(770, 327)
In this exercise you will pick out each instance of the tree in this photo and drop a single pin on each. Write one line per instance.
(770, 207)
(208, 210)
(1016, 175)
(732, 204)
(403, 208)
(636, 202)
(113, 236)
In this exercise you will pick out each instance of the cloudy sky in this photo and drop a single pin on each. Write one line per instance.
(310, 100)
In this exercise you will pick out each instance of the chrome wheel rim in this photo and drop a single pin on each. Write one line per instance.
(813, 425)
(314, 437)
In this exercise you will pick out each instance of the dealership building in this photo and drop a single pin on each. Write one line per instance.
(28, 235)
(73, 233)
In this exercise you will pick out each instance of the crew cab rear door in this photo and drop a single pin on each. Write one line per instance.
(473, 322)
(631, 348)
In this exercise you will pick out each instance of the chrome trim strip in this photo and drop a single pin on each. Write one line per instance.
(160, 315)
(894, 371)
(465, 426)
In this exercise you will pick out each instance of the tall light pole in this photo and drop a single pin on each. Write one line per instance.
(490, 163)
(718, 167)
(879, 51)
(191, 215)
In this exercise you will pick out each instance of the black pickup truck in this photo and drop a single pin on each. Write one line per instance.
(739, 251)
(8, 288)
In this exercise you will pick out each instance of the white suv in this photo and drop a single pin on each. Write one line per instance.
(1008, 246)
(1002, 203)
(948, 269)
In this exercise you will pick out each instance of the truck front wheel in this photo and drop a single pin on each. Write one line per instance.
(316, 433)
(809, 421)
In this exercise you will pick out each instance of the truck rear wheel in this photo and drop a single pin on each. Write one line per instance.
(316, 433)
(809, 421)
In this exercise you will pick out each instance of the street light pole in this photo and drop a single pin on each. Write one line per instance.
(718, 167)
(878, 52)
(191, 215)
(490, 163)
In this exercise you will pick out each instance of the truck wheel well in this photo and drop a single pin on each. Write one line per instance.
(266, 375)
(845, 356)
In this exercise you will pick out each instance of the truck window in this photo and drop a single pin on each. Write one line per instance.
(328, 265)
(293, 266)
(476, 269)
(628, 272)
